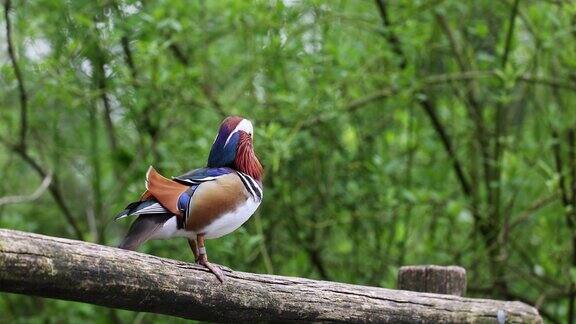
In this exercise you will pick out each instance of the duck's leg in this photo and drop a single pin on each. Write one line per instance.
(194, 249)
(203, 258)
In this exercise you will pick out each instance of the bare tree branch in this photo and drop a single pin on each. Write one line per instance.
(35, 195)
(129, 57)
(448, 146)
(389, 34)
(431, 81)
(428, 107)
(206, 88)
(536, 205)
(510, 33)
(21, 88)
(474, 75)
(179, 54)
(21, 148)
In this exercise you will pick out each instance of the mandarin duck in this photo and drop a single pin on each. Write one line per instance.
(204, 203)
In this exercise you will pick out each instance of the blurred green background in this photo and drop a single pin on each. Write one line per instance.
(392, 133)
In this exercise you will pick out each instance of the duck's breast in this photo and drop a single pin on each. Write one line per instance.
(231, 221)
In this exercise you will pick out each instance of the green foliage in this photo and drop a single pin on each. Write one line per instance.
(359, 180)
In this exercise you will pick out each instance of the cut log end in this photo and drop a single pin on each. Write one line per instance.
(448, 280)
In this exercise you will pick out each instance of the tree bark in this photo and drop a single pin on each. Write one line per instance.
(52, 267)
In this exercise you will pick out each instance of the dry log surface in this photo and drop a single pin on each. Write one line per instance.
(53, 267)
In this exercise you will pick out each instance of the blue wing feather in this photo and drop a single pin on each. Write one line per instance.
(202, 175)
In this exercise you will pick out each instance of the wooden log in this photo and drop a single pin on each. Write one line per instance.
(52, 267)
(450, 280)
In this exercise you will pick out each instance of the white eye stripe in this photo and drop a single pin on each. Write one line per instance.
(244, 125)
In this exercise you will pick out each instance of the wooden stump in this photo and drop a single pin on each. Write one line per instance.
(449, 280)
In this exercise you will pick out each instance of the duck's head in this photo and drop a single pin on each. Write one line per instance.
(233, 147)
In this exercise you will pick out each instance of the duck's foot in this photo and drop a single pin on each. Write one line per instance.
(213, 268)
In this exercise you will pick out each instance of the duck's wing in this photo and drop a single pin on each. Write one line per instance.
(198, 176)
(213, 199)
